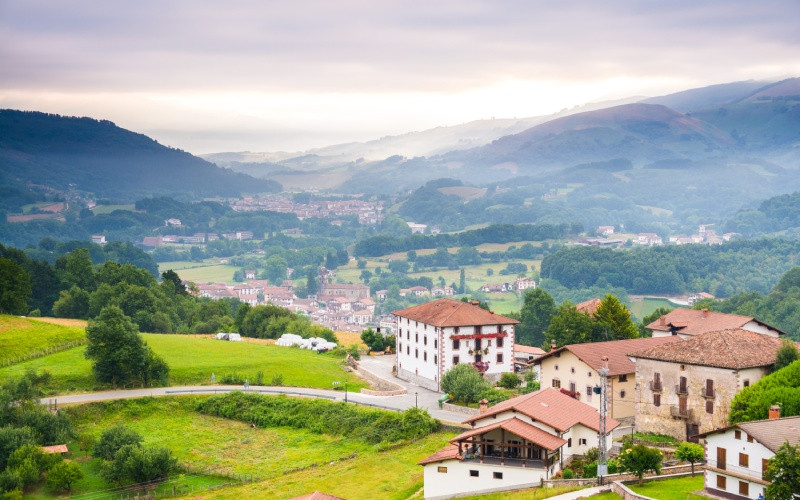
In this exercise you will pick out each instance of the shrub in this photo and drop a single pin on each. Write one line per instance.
(510, 381)
(464, 383)
(639, 459)
(494, 396)
(113, 439)
(63, 475)
(568, 474)
(277, 379)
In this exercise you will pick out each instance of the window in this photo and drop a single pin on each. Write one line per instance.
(746, 382)
(455, 360)
(622, 394)
(473, 473)
(709, 407)
(588, 393)
(497, 475)
(416, 338)
(656, 400)
(573, 387)
(435, 343)
(408, 334)
(435, 360)
(556, 383)
(408, 350)
(456, 345)
(744, 488)
(588, 374)
(441, 469)
(572, 370)
(499, 357)
(455, 330)
(400, 346)
(416, 353)
(764, 465)
(749, 438)
(744, 460)
(477, 330)
(737, 434)
(425, 340)
(721, 458)
(582, 441)
(500, 342)
(556, 367)
(425, 356)
(623, 378)
(569, 443)
(721, 482)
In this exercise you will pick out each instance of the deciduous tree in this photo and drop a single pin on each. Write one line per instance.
(690, 452)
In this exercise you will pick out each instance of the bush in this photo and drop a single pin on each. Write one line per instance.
(510, 381)
(494, 396)
(277, 380)
(639, 459)
(63, 475)
(464, 383)
(113, 439)
(568, 474)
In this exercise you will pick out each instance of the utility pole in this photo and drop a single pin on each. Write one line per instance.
(602, 465)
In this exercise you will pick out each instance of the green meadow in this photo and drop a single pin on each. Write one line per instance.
(20, 337)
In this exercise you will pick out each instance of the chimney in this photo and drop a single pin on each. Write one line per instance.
(662, 321)
(774, 412)
(484, 405)
(553, 345)
(474, 302)
(705, 313)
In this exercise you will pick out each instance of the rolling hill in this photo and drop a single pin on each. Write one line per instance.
(97, 157)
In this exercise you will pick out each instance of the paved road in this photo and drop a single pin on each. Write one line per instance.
(379, 365)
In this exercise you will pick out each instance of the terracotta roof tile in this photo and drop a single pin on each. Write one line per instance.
(552, 408)
(696, 322)
(449, 312)
(617, 351)
(449, 453)
(588, 307)
(772, 433)
(528, 349)
(518, 428)
(735, 349)
(56, 448)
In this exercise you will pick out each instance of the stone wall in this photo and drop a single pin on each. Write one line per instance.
(380, 386)
(669, 472)
(408, 376)
(626, 493)
(464, 410)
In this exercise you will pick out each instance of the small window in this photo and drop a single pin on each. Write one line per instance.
(435, 343)
(441, 469)
(764, 465)
(709, 407)
(455, 360)
(656, 400)
(623, 378)
(473, 473)
(569, 443)
(400, 346)
(749, 438)
(588, 374)
(737, 434)
(556, 367)
(456, 329)
(456, 345)
(416, 353)
(435, 361)
(408, 350)
(582, 441)
(622, 394)
(746, 382)
(744, 460)
(408, 334)
(744, 488)
(497, 475)
(477, 330)
(572, 370)
(573, 387)
(499, 357)
(416, 338)
(721, 483)
(425, 356)
(556, 383)
(425, 340)
(500, 342)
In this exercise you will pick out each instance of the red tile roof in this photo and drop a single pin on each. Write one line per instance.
(518, 428)
(696, 322)
(552, 408)
(528, 349)
(449, 453)
(56, 448)
(588, 307)
(772, 433)
(449, 312)
(617, 351)
(734, 349)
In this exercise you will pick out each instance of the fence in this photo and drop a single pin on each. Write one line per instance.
(38, 354)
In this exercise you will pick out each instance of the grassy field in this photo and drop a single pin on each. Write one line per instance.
(192, 360)
(646, 306)
(107, 209)
(527, 494)
(204, 273)
(672, 489)
(22, 336)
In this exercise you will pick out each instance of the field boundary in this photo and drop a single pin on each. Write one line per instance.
(41, 353)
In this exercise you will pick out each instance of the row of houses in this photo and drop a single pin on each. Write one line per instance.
(368, 212)
(518, 285)
(194, 239)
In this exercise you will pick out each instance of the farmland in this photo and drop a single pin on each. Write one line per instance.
(20, 337)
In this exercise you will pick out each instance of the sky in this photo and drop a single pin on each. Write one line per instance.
(269, 75)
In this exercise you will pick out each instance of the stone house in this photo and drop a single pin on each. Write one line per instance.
(685, 388)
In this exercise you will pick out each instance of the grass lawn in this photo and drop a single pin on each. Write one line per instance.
(671, 489)
(206, 273)
(192, 360)
(22, 336)
(107, 209)
(646, 306)
(529, 493)
(608, 495)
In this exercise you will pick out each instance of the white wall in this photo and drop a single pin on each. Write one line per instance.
(755, 451)
(458, 482)
(755, 327)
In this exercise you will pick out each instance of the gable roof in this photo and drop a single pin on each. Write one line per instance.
(772, 433)
(528, 349)
(448, 453)
(552, 408)
(449, 312)
(697, 322)
(588, 306)
(735, 349)
(617, 351)
(518, 428)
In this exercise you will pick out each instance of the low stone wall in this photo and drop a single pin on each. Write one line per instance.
(626, 493)
(667, 472)
(380, 386)
(416, 379)
(460, 409)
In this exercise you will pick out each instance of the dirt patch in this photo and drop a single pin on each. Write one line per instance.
(78, 323)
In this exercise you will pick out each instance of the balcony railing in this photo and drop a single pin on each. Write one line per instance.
(681, 389)
(709, 394)
(655, 386)
(508, 462)
(678, 412)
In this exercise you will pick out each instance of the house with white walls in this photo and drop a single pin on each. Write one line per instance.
(433, 337)
(737, 456)
(514, 444)
(687, 323)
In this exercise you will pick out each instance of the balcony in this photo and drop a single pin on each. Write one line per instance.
(709, 394)
(683, 413)
(681, 390)
(655, 386)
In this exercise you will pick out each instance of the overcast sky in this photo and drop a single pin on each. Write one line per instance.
(210, 76)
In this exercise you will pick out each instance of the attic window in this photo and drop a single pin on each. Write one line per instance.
(572, 370)
(556, 367)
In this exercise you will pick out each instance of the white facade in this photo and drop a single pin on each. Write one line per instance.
(732, 477)
(456, 478)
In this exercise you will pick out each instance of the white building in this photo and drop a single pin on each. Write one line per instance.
(514, 444)
(690, 322)
(736, 456)
(434, 337)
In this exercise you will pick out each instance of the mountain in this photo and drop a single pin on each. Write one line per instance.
(702, 98)
(97, 157)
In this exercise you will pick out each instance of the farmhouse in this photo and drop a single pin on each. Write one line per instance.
(574, 368)
(514, 444)
(434, 337)
(686, 387)
(736, 456)
(688, 322)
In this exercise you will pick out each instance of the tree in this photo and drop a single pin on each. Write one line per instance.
(375, 341)
(15, 287)
(72, 303)
(786, 355)
(113, 439)
(781, 387)
(275, 269)
(76, 268)
(120, 355)
(510, 380)
(569, 326)
(311, 282)
(464, 383)
(462, 282)
(537, 311)
(783, 470)
(180, 288)
(615, 319)
(63, 474)
(639, 459)
(690, 452)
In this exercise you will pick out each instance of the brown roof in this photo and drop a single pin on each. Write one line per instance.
(617, 351)
(588, 307)
(449, 453)
(56, 448)
(528, 349)
(449, 312)
(317, 495)
(772, 433)
(735, 349)
(696, 321)
(518, 428)
(552, 408)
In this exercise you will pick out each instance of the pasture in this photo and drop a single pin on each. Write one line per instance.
(20, 337)
(646, 306)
